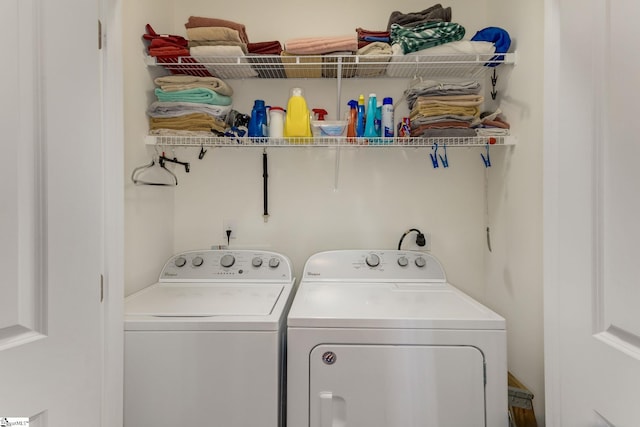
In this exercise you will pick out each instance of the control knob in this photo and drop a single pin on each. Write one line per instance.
(180, 262)
(256, 261)
(197, 261)
(403, 261)
(373, 260)
(227, 260)
(421, 262)
(274, 262)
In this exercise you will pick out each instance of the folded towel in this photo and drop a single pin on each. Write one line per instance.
(193, 122)
(219, 56)
(425, 35)
(243, 46)
(438, 88)
(321, 45)
(174, 83)
(447, 133)
(202, 95)
(435, 13)
(376, 52)
(440, 109)
(199, 21)
(213, 33)
(265, 48)
(176, 109)
(456, 100)
(151, 35)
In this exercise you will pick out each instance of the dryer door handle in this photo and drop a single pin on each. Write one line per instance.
(332, 410)
(326, 409)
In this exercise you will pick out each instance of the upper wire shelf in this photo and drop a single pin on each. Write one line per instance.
(333, 66)
(401, 142)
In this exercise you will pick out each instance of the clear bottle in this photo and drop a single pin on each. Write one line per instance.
(388, 129)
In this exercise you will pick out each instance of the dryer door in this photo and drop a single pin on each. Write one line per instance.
(393, 386)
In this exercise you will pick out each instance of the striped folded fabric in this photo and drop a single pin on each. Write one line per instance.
(426, 35)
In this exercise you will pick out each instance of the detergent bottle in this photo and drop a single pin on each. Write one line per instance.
(276, 122)
(258, 120)
(298, 120)
(353, 118)
(360, 117)
(370, 124)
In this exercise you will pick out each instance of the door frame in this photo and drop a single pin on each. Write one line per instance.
(113, 192)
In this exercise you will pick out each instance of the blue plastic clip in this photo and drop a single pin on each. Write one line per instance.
(486, 160)
(444, 160)
(434, 156)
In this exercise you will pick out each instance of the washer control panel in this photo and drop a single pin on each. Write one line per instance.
(225, 265)
(363, 265)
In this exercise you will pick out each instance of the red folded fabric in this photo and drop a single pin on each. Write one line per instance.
(168, 51)
(265, 48)
(166, 38)
(199, 21)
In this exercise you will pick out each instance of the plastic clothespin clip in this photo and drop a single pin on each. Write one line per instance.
(444, 160)
(434, 156)
(486, 160)
(202, 152)
(494, 80)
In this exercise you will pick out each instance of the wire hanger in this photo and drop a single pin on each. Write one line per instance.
(155, 173)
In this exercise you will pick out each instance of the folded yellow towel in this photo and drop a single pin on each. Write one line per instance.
(182, 82)
(213, 33)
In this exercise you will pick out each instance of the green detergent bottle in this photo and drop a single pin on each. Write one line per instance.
(298, 120)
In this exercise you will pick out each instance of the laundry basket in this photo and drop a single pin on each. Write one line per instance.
(520, 404)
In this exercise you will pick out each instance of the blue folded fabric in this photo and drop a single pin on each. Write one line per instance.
(201, 95)
(500, 39)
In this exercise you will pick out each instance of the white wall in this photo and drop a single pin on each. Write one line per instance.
(378, 193)
(514, 267)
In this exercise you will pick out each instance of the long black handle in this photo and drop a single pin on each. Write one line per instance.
(265, 177)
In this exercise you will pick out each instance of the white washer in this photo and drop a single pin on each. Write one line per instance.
(205, 345)
(380, 339)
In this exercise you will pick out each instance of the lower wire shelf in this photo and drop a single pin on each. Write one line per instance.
(401, 142)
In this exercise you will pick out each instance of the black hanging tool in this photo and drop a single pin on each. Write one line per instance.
(265, 176)
(174, 160)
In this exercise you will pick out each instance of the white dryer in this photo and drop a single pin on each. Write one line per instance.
(205, 345)
(380, 339)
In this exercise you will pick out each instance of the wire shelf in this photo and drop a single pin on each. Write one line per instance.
(333, 66)
(404, 142)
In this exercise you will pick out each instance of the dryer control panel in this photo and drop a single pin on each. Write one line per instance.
(226, 265)
(377, 265)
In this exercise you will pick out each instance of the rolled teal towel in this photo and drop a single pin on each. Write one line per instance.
(425, 35)
(201, 95)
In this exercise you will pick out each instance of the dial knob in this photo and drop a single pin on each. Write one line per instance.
(274, 262)
(421, 262)
(227, 260)
(403, 261)
(180, 262)
(256, 262)
(197, 261)
(373, 260)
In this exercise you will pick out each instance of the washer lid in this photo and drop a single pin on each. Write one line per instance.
(203, 300)
(389, 305)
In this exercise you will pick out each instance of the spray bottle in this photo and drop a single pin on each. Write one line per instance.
(353, 118)
(360, 117)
